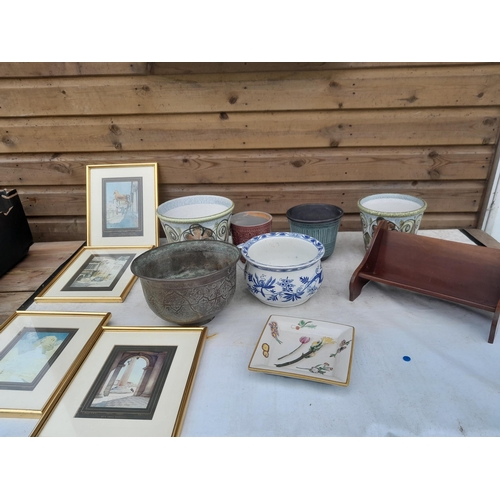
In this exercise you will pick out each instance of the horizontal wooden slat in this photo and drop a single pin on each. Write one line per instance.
(464, 126)
(178, 68)
(464, 196)
(53, 200)
(58, 228)
(278, 198)
(61, 228)
(352, 222)
(254, 166)
(323, 90)
(49, 69)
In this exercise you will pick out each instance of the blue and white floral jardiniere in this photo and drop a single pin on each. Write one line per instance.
(283, 269)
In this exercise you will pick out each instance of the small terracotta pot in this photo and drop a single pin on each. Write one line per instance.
(246, 225)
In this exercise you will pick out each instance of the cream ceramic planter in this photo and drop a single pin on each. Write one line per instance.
(403, 213)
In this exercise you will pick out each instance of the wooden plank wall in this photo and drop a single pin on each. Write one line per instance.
(266, 135)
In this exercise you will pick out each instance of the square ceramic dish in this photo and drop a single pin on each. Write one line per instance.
(308, 349)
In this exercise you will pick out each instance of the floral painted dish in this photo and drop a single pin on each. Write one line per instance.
(320, 351)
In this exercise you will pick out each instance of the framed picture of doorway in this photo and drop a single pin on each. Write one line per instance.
(136, 381)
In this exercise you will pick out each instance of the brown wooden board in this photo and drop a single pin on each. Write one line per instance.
(61, 228)
(55, 229)
(176, 68)
(455, 86)
(50, 69)
(443, 126)
(451, 196)
(261, 166)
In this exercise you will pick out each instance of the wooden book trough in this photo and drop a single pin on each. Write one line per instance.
(458, 272)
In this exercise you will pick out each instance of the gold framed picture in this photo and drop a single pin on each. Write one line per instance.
(39, 353)
(94, 274)
(136, 381)
(121, 205)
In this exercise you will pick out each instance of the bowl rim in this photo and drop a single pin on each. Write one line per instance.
(398, 196)
(191, 220)
(184, 280)
(267, 216)
(304, 265)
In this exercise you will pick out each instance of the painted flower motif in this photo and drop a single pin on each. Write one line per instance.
(303, 324)
(302, 340)
(286, 284)
(315, 347)
(274, 331)
(321, 368)
(287, 291)
(260, 285)
(198, 232)
(343, 345)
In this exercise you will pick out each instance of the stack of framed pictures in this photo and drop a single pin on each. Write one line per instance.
(76, 374)
(121, 224)
(81, 377)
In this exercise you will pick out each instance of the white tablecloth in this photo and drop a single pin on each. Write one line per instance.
(451, 386)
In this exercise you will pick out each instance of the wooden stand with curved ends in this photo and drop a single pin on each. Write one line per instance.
(448, 270)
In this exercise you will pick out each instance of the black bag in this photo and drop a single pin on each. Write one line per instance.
(15, 233)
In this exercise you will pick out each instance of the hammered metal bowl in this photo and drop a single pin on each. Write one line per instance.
(188, 282)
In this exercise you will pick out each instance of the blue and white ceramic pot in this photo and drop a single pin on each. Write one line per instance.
(283, 269)
(403, 213)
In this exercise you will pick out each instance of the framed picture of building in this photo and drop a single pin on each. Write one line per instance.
(121, 205)
(94, 275)
(39, 353)
(136, 381)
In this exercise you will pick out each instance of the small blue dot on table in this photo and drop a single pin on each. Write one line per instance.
(406, 358)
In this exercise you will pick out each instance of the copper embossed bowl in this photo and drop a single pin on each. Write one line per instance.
(188, 282)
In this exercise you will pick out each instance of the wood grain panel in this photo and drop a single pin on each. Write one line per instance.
(49, 69)
(179, 68)
(58, 228)
(444, 126)
(61, 228)
(278, 198)
(53, 200)
(450, 196)
(325, 90)
(261, 166)
(352, 222)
